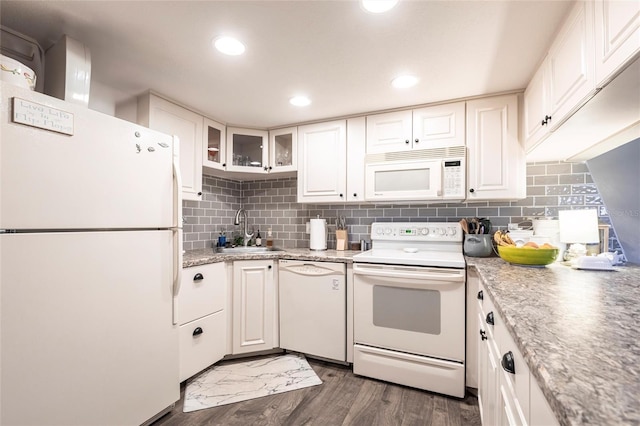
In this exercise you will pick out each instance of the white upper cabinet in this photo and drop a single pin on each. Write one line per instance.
(322, 162)
(570, 65)
(534, 117)
(617, 29)
(356, 134)
(247, 150)
(565, 80)
(389, 132)
(496, 163)
(439, 126)
(167, 117)
(283, 150)
(430, 127)
(214, 144)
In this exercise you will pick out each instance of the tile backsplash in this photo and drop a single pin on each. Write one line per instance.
(551, 186)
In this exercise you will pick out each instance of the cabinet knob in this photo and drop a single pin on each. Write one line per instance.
(198, 277)
(265, 168)
(545, 120)
(472, 190)
(270, 168)
(483, 335)
(198, 331)
(200, 193)
(269, 267)
(480, 295)
(407, 141)
(490, 318)
(341, 195)
(508, 363)
(417, 140)
(224, 164)
(355, 195)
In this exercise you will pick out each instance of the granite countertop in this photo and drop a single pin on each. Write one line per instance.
(203, 256)
(577, 331)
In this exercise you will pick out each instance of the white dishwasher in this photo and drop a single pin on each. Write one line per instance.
(313, 308)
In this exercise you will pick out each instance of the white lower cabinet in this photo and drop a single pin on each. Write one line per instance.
(254, 306)
(202, 343)
(508, 394)
(201, 317)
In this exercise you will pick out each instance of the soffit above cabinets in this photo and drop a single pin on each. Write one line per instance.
(340, 56)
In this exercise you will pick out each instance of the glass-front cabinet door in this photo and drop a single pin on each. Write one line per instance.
(282, 150)
(214, 145)
(247, 150)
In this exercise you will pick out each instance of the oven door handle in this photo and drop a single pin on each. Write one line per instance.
(430, 274)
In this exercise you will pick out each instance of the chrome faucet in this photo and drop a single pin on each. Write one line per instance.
(236, 221)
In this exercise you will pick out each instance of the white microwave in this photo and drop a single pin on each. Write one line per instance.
(418, 175)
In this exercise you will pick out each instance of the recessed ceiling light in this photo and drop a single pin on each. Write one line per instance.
(300, 101)
(378, 6)
(229, 46)
(404, 81)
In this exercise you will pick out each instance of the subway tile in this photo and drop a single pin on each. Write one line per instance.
(558, 190)
(572, 200)
(579, 168)
(536, 190)
(572, 179)
(558, 169)
(466, 212)
(510, 211)
(584, 189)
(536, 169)
(545, 180)
(545, 201)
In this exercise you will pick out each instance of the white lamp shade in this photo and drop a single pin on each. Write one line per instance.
(579, 226)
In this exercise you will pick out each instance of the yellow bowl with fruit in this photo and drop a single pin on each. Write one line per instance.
(529, 254)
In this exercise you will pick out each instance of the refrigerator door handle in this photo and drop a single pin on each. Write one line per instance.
(177, 228)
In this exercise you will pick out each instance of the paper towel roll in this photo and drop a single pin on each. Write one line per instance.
(318, 231)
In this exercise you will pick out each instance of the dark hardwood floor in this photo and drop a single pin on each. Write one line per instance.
(342, 399)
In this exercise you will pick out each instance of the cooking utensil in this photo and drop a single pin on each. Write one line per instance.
(464, 225)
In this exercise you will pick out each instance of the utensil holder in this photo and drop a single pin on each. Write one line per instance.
(341, 239)
(478, 245)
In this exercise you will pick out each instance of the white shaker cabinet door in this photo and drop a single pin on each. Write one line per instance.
(389, 132)
(496, 162)
(322, 162)
(617, 36)
(254, 306)
(570, 65)
(167, 117)
(439, 126)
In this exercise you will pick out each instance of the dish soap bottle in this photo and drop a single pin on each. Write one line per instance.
(258, 239)
(269, 238)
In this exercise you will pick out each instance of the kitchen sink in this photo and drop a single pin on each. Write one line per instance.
(245, 250)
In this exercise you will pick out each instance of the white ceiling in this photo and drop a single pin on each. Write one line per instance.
(341, 56)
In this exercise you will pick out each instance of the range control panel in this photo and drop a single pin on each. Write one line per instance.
(416, 231)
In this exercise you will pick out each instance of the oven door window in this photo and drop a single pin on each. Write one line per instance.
(407, 309)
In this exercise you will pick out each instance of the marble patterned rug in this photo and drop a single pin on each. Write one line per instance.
(240, 381)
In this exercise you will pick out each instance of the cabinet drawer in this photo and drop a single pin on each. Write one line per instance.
(517, 384)
(202, 343)
(203, 291)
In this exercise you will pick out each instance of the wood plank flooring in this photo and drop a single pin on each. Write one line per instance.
(342, 399)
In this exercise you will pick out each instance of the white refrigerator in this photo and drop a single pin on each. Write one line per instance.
(90, 261)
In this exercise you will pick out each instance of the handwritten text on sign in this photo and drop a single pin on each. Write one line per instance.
(42, 116)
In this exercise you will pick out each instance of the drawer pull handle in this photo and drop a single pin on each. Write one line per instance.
(198, 331)
(198, 277)
(483, 335)
(480, 295)
(490, 318)
(508, 364)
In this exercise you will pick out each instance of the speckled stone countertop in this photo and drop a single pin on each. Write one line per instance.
(578, 332)
(203, 256)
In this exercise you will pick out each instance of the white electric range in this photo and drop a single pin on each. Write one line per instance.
(409, 306)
